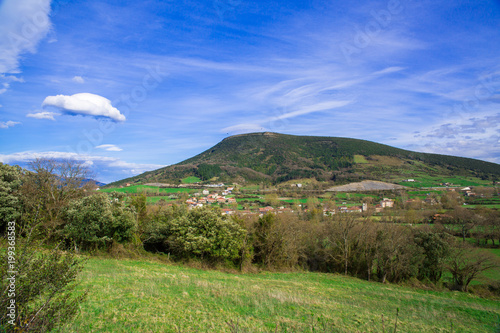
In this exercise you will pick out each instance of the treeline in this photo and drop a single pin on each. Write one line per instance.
(64, 209)
(207, 171)
(345, 243)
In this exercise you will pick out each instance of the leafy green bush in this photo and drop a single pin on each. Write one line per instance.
(203, 233)
(40, 294)
(10, 180)
(96, 221)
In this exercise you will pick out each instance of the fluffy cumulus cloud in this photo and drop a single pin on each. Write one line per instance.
(84, 104)
(43, 115)
(8, 124)
(23, 23)
(109, 147)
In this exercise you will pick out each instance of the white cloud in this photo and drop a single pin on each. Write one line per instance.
(275, 123)
(85, 104)
(243, 128)
(98, 162)
(8, 124)
(323, 106)
(23, 23)
(5, 81)
(78, 79)
(109, 147)
(43, 115)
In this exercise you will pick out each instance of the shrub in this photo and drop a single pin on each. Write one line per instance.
(96, 221)
(10, 179)
(203, 233)
(44, 281)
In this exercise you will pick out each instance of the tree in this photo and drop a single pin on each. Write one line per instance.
(278, 240)
(367, 247)
(50, 186)
(96, 221)
(451, 200)
(139, 203)
(204, 233)
(436, 250)
(10, 180)
(465, 220)
(340, 239)
(466, 263)
(397, 256)
(272, 199)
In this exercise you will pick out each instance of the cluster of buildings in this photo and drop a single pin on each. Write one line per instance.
(385, 203)
(467, 191)
(260, 211)
(204, 198)
(200, 199)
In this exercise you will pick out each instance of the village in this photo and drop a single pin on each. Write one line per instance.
(204, 198)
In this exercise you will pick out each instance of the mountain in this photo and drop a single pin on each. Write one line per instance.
(97, 183)
(275, 158)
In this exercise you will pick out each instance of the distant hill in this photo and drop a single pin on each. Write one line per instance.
(97, 183)
(275, 158)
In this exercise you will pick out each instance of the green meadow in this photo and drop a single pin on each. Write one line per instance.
(190, 180)
(426, 180)
(146, 189)
(152, 296)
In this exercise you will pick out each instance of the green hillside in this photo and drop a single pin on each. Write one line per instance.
(275, 158)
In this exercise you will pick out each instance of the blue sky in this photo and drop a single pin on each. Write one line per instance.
(131, 86)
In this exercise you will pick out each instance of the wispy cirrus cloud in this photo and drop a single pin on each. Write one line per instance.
(23, 24)
(8, 124)
(109, 147)
(43, 115)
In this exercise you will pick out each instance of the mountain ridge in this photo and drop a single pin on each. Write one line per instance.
(276, 158)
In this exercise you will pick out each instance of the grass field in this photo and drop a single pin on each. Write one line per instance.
(141, 296)
(156, 199)
(191, 180)
(426, 180)
(360, 159)
(147, 189)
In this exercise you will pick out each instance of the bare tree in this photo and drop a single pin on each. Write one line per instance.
(51, 184)
(339, 239)
(465, 220)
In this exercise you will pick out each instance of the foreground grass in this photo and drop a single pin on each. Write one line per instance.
(141, 296)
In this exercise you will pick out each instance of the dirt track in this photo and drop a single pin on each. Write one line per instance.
(366, 185)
